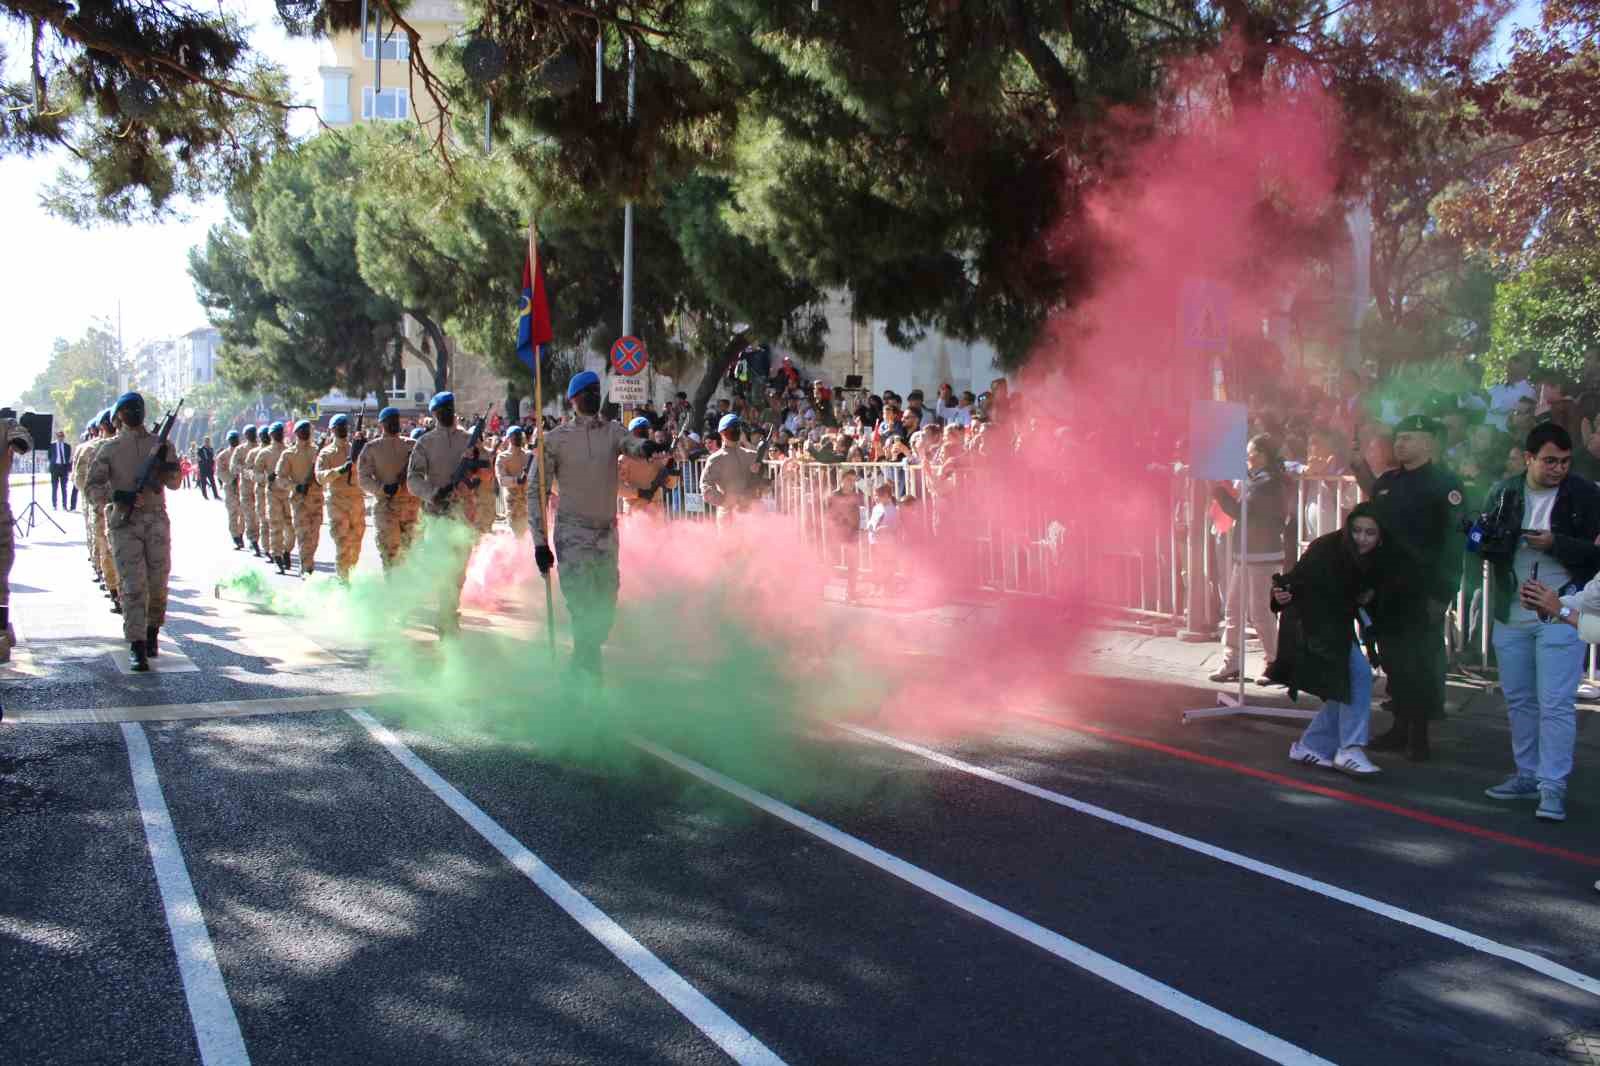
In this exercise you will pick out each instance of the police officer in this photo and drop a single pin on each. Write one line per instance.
(230, 488)
(278, 524)
(141, 536)
(244, 481)
(14, 441)
(732, 477)
(581, 456)
(347, 510)
(1420, 504)
(437, 457)
(512, 468)
(297, 478)
(381, 472)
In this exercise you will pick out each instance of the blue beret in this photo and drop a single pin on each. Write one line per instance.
(233, 436)
(515, 431)
(416, 434)
(388, 413)
(442, 399)
(105, 417)
(127, 399)
(338, 420)
(302, 424)
(729, 421)
(587, 379)
(639, 420)
(276, 427)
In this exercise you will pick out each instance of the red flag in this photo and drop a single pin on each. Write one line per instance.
(533, 327)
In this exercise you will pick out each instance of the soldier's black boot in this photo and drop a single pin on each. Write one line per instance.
(238, 544)
(137, 661)
(116, 603)
(1395, 739)
(1417, 749)
(255, 549)
(151, 648)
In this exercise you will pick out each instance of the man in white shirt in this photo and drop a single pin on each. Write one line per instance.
(962, 415)
(1503, 398)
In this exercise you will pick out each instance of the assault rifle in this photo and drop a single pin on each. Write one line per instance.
(148, 470)
(667, 471)
(470, 461)
(527, 467)
(357, 443)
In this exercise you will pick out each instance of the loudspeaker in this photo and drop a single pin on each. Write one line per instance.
(39, 427)
(852, 381)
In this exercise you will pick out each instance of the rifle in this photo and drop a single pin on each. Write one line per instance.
(147, 469)
(464, 469)
(357, 443)
(528, 468)
(667, 471)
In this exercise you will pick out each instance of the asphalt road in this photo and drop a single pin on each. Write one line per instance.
(249, 856)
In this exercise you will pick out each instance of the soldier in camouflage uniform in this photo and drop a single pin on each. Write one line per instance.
(14, 441)
(100, 505)
(244, 478)
(732, 479)
(279, 523)
(381, 473)
(297, 478)
(434, 462)
(80, 470)
(581, 457)
(511, 468)
(639, 481)
(141, 536)
(347, 508)
(230, 489)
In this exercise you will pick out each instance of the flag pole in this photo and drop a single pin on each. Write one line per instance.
(538, 410)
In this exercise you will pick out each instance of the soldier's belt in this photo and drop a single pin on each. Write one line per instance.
(598, 525)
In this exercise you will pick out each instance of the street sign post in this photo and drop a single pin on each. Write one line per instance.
(628, 357)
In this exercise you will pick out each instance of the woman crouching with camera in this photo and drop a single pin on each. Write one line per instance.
(1320, 601)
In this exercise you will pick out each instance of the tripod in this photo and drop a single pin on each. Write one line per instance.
(33, 512)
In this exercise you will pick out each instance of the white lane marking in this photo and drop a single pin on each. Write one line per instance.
(216, 1028)
(175, 712)
(1537, 963)
(1164, 996)
(703, 1014)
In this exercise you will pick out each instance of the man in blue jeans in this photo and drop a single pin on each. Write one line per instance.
(1536, 592)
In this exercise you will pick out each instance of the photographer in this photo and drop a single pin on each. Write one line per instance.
(1538, 533)
(1339, 574)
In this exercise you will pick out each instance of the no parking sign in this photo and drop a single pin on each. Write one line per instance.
(628, 357)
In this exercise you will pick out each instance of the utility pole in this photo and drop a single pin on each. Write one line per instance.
(627, 223)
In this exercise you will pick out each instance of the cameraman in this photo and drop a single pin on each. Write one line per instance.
(1541, 664)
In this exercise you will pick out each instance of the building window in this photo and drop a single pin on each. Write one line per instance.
(397, 384)
(393, 104)
(396, 46)
(335, 95)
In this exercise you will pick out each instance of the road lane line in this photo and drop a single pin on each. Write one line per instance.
(177, 712)
(1537, 963)
(1166, 997)
(1438, 821)
(703, 1014)
(216, 1028)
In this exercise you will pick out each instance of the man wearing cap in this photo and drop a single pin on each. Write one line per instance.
(141, 536)
(381, 473)
(636, 477)
(100, 506)
(14, 441)
(434, 461)
(581, 456)
(230, 488)
(347, 507)
(513, 469)
(278, 524)
(297, 477)
(1419, 503)
(732, 477)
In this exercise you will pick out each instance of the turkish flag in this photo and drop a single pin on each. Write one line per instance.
(533, 326)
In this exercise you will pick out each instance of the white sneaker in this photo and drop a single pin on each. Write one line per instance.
(1354, 761)
(1587, 691)
(1300, 753)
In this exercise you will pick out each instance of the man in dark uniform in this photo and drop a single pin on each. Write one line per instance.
(1420, 505)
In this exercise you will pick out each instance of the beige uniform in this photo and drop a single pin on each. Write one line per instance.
(297, 479)
(277, 523)
(434, 462)
(511, 469)
(141, 538)
(636, 475)
(249, 501)
(347, 508)
(384, 462)
(80, 470)
(11, 435)
(728, 483)
(230, 489)
(98, 506)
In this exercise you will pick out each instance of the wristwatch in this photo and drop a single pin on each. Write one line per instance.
(1565, 612)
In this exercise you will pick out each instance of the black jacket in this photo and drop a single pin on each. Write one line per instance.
(1574, 522)
(206, 458)
(1269, 510)
(1316, 629)
(1420, 511)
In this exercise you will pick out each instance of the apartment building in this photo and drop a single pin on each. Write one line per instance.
(369, 79)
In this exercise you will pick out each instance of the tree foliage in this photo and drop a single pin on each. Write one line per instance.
(1550, 309)
(92, 357)
(77, 405)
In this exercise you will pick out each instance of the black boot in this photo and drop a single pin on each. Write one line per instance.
(1417, 749)
(137, 662)
(151, 648)
(255, 549)
(238, 544)
(1395, 739)
(116, 603)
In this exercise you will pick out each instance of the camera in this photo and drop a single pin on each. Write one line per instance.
(1493, 532)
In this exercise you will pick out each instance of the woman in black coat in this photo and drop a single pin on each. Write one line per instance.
(1339, 575)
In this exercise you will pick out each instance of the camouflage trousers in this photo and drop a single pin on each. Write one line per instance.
(517, 510)
(102, 541)
(230, 497)
(250, 510)
(347, 521)
(307, 520)
(586, 560)
(8, 552)
(264, 516)
(280, 522)
(142, 547)
(397, 528)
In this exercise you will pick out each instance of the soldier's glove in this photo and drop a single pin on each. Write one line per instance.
(442, 497)
(544, 559)
(391, 488)
(300, 490)
(126, 497)
(345, 469)
(271, 478)
(652, 449)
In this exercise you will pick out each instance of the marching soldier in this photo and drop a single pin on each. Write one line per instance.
(279, 524)
(639, 481)
(141, 536)
(347, 508)
(381, 473)
(263, 497)
(245, 482)
(14, 441)
(511, 468)
(582, 457)
(732, 479)
(100, 505)
(80, 470)
(297, 480)
(230, 489)
(435, 460)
